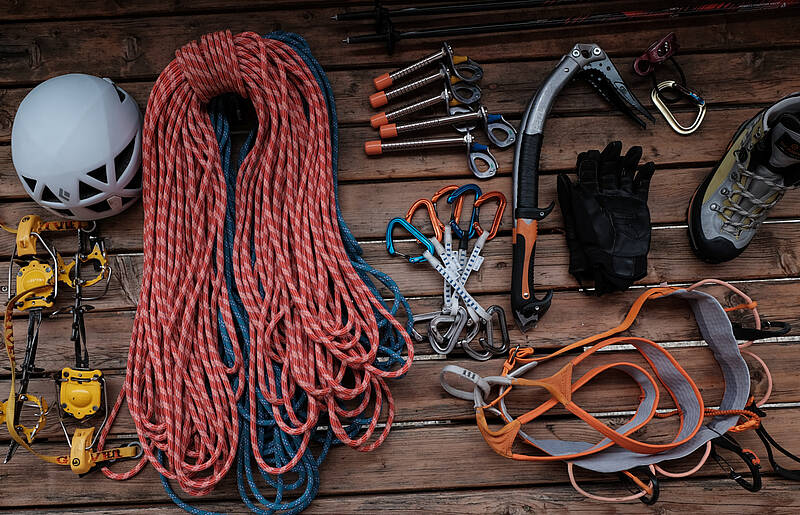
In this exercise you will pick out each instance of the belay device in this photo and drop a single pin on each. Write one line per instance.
(590, 62)
(80, 390)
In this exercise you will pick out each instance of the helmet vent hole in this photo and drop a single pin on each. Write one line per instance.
(64, 212)
(123, 159)
(85, 191)
(31, 183)
(99, 207)
(121, 94)
(48, 195)
(100, 174)
(136, 181)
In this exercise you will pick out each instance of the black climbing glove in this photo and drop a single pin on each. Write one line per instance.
(606, 217)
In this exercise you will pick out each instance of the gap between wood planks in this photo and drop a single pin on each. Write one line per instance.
(506, 500)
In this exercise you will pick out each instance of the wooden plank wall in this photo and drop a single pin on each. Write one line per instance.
(436, 460)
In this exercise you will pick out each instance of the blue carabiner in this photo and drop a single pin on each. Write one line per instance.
(411, 230)
(467, 188)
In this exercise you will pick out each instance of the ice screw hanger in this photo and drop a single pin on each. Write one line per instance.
(481, 161)
(491, 123)
(463, 67)
(464, 92)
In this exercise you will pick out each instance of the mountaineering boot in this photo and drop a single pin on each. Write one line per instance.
(762, 161)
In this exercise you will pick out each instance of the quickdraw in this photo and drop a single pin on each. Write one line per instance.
(79, 390)
(618, 451)
(455, 267)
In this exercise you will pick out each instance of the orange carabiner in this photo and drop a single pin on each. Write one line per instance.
(456, 213)
(438, 225)
(498, 215)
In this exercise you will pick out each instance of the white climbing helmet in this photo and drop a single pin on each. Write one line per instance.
(77, 146)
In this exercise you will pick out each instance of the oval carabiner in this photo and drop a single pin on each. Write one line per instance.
(498, 215)
(667, 114)
(438, 225)
(411, 230)
(496, 122)
(456, 196)
(468, 350)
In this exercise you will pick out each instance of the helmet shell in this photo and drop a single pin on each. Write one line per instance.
(76, 144)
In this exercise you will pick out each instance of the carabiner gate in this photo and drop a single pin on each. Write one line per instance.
(455, 196)
(438, 225)
(498, 215)
(667, 114)
(411, 230)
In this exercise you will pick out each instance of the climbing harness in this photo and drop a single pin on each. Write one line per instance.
(277, 319)
(80, 391)
(445, 327)
(618, 450)
(590, 62)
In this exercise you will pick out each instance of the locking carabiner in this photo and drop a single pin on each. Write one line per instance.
(498, 215)
(438, 225)
(413, 231)
(456, 196)
(692, 95)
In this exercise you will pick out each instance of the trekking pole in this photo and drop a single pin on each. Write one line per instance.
(433, 10)
(391, 36)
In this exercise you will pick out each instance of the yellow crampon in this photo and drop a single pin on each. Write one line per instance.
(81, 457)
(81, 391)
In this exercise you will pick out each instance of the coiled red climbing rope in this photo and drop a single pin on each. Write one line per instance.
(308, 309)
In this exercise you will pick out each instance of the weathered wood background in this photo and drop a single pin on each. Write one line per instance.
(436, 460)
